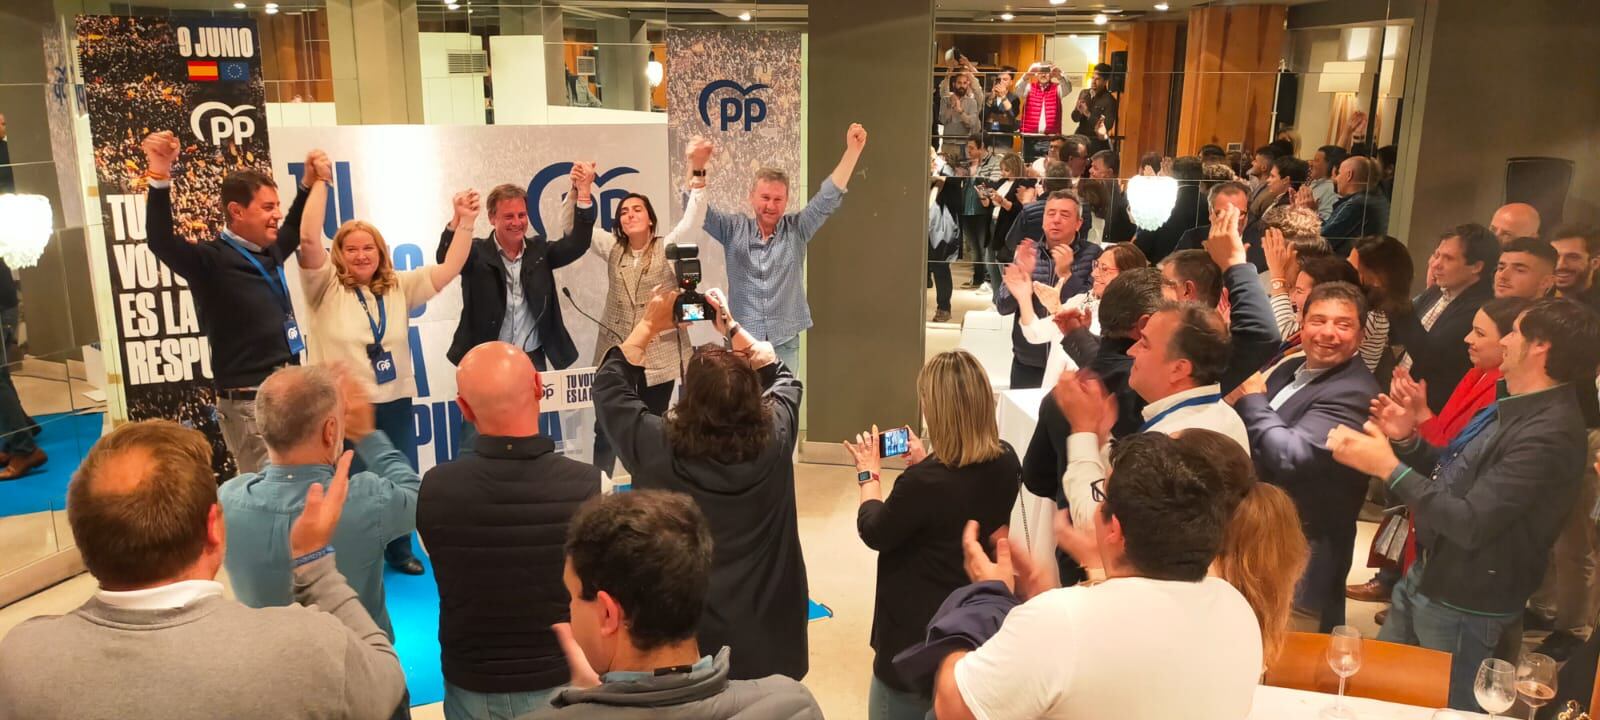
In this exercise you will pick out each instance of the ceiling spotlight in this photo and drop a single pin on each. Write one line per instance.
(238, 6)
(272, 11)
(1100, 19)
(745, 16)
(1008, 17)
(452, 6)
(1162, 7)
(1058, 2)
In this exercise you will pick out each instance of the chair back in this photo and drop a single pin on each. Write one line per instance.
(1389, 671)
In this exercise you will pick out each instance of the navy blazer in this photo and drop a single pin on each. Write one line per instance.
(483, 289)
(1289, 445)
(1439, 356)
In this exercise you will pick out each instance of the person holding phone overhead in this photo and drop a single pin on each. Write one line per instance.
(971, 475)
(359, 308)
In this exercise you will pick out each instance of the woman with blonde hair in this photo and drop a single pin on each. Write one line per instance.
(1264, 550)
(360, 307)
(970, 474)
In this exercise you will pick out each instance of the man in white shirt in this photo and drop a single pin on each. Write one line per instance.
(1322, 166)
(1157, 639)
(1178, 362)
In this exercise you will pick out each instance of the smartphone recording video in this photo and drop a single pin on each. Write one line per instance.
(894, 443)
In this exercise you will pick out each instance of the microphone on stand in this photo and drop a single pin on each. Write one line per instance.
(575, 306)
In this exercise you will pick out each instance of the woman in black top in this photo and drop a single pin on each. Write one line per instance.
(970, 475)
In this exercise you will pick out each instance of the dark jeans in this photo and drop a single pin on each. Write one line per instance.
(657, 398)
(394, 418)
(1321, 589)
(16, 426)
(1468, 637)
(1024, 377)
(940, 270)
(975, 236)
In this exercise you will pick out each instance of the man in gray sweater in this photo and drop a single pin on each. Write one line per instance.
(159, 639)
(638, 568)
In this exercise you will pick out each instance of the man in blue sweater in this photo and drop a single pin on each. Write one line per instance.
(1063, 213)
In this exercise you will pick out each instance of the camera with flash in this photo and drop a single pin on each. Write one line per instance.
(691, 305)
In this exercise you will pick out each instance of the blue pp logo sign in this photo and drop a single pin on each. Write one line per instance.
(732, 109)
(607, 199)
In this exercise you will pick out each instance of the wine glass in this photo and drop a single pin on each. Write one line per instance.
(1344, 656)
(1496, 686)
(1536, 681)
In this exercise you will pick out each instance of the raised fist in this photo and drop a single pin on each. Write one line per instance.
(699, 153)
(856, 137)
(160, 152)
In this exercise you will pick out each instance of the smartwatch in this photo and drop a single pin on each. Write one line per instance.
(865, 476)
(698, 173)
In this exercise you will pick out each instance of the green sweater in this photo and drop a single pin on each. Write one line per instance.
(212, 658)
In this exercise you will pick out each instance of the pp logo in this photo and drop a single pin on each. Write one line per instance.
(549, 391)
(384, 366)
(732, 109)
(294, 333)
(223, 122)
(607, 199)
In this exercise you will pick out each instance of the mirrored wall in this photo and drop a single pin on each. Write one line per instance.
(1151, 114)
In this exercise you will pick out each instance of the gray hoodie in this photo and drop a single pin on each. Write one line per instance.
(704, 694)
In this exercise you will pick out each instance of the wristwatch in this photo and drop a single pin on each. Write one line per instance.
(698, 173)
(1279, 284)
(865, 476)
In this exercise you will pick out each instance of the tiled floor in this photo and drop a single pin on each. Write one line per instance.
(841, 573)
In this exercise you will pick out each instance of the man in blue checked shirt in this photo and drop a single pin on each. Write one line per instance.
(766, 254)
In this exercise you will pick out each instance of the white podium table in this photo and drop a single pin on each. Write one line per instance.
(1032, 516)
(1276, 703)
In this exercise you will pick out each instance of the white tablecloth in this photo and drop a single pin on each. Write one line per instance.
(1275, 703)
(1017, 413)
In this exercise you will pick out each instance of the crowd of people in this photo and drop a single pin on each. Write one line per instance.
(1224, 398)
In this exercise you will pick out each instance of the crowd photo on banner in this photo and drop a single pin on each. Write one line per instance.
(559, 378)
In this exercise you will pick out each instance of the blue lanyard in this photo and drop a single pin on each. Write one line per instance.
(382, 325)
(280, 287)
(1473, 429)
(1191, 402)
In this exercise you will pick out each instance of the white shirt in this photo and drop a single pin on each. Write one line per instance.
(165, 597)
(1043, 330)
(1088, 461)
(1302, 377)
(1126, 649)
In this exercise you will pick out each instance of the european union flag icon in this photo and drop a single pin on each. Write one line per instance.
(234, 70)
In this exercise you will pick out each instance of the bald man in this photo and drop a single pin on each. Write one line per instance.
(1360, 210)
(494, 524)
(1514, 220)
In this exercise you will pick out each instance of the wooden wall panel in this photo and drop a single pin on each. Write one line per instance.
(296, 57)
(1152, 52)
(1230, 74)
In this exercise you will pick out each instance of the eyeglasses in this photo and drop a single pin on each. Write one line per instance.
(1097, 490)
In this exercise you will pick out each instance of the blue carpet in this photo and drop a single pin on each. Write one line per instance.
(66, 438)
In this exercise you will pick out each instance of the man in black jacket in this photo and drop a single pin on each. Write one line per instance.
(1489, 506)
(494, 523)
(508, 286)
(238, 286)
(1236, 194)
(1460, 281)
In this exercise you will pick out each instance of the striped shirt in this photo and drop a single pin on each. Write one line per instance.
(766, 276)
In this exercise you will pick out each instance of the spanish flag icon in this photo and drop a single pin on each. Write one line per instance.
(203, 70)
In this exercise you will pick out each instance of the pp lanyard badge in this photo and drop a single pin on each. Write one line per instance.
(382, 360)
(280, 291)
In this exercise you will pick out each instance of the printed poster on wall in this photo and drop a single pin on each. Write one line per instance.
(201, 80)
(740, 90)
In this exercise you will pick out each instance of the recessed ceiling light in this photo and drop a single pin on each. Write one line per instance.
(1058, 2)
(745, 16)
(272, 11)
(1101, 19)
(452, 6)
(238, 6)
(1162, 7)
(1008, 17)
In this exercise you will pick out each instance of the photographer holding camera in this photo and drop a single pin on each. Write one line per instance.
(727, 444)
(766, 254)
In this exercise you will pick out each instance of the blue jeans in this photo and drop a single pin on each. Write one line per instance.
(462, 704)
(789, 353)
(1468, 637)
(886, 703)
